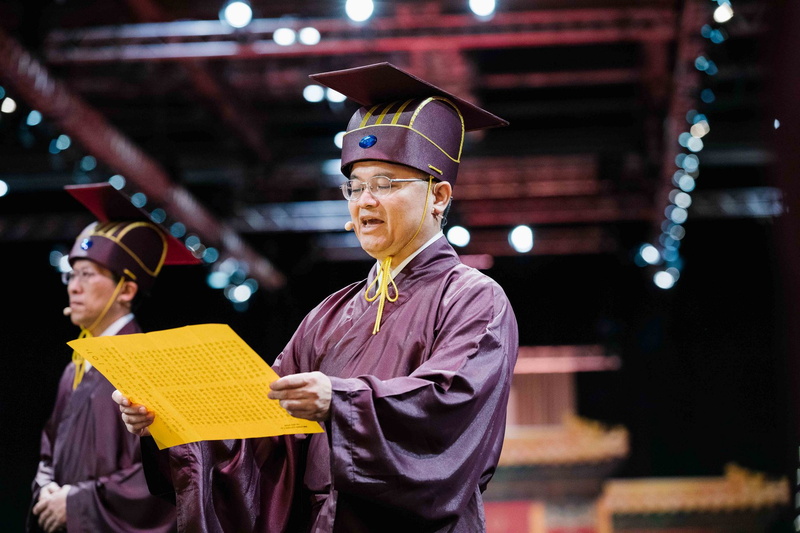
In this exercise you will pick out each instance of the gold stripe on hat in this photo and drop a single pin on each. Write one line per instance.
(115, 232)
(366, 117)
(400, 111)
(383, 113)
(451, 104)
(434, 168)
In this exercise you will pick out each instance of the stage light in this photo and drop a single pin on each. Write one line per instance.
(63, 142)
(776, 124)
(521, 239)
(309, 36)
(139, 199)
(686, 183)
(8, 105)
(694, 144)
(482, 8)
(284, 36)
(663, 280)
(240, 294)
(700, 129)
(359, 10)
(217, 280)
(338, 139)
(117, 181)
(314, 93)
(210, 255)
(88, 163)
(723, 13)
(236, 13)
(458, 236)
(177, 230)
(3, 188)
(334, 96)
(34, 118)
(650, 254)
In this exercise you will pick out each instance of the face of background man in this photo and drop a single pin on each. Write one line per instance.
(89, 289)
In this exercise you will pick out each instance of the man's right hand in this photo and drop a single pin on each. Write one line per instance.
(136, 417)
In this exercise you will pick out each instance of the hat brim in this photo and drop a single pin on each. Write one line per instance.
(108, 204)
(382, 83)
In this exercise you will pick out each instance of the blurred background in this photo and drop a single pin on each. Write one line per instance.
(640, 211)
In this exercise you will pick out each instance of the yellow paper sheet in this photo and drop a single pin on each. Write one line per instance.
(203, 382)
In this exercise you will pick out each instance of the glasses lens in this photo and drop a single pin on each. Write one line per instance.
(380, 185)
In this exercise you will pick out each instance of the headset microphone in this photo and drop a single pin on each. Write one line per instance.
(348, 226)
(67, 311)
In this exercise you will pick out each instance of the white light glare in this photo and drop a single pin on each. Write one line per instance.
(776, 124)
(723, 13)
(359, 10)
(313, 93)
(334, 96)
(237, 13)
(458, 236)
(309, 36)
(700, 128)
(3, 188)
(338, 139)
(240, 294)
(482, 8)
(284, 36)
(63, 264)
(521, 239)
(694, 144)
(663, 280)
(650, 254)
(8, 106)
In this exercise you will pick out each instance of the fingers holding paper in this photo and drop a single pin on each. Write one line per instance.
(306, 395)
(135, 416)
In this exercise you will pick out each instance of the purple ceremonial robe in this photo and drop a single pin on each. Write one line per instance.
(85, 445)
(416, 422)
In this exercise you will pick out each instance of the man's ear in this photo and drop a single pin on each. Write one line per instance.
(128, 291)
(442, 194)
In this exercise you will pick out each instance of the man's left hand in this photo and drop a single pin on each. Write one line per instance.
(306, 395)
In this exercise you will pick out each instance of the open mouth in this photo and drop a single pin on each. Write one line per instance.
(367, 222)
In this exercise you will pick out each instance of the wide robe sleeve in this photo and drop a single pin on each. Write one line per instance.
(85, 445)
(426, 442)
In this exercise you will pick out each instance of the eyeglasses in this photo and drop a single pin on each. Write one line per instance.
(83, 277)
(378, 186)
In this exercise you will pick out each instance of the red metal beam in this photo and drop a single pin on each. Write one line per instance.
(76, 118)
(239, 120)
(177, 41)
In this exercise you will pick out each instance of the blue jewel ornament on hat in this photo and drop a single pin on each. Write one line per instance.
(368, 141)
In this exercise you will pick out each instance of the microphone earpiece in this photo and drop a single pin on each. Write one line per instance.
(348, 226)
(67, 311)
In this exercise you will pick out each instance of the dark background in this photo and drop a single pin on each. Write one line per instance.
(710, 367)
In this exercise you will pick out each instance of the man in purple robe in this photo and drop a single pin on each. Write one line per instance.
(90, 476)
(409, 370)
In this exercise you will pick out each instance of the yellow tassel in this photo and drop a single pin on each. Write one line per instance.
(77, 358)
(384, 275)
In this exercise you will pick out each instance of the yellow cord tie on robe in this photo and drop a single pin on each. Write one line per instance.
(384, 278)
(77, 359)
